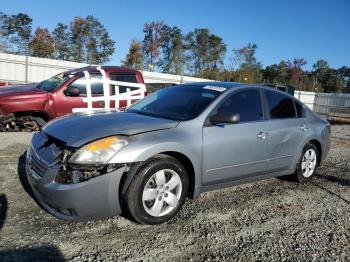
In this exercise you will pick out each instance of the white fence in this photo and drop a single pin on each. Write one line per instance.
(322, 102)
(308, 98)
(13, 70)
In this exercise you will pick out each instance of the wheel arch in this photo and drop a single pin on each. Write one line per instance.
(319, 149)
(180, 156)
(36, 113)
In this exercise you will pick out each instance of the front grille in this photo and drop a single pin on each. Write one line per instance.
(37, 164)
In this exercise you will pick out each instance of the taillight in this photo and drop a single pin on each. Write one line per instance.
(327, 124)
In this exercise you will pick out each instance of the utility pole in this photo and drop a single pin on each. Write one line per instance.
(26, 65)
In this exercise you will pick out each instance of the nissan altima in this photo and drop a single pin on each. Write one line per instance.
(170, 146)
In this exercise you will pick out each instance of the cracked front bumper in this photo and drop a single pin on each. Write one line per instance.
(95, 198)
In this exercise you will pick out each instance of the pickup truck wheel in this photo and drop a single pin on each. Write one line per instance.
(158, 191)
(307, 164)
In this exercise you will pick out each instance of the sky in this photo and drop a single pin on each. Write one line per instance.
(283, 30)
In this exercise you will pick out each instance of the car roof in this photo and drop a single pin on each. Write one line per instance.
(106, 68)
(218, 84)
(231, 85)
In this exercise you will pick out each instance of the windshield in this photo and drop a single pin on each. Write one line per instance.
(182, 102)
(54, 82)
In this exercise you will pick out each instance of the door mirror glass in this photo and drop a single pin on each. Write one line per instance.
(224, 118)
(72, 91)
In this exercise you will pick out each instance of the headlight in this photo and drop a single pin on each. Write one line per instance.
(100, 151)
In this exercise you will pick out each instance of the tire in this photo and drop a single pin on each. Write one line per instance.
(158, 190)
(307, 164)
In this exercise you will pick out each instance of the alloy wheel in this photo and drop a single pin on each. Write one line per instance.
(162, 193)
(308, 163)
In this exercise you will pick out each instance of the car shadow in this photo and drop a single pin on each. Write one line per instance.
(22, 176)
(3, 209)
(333, 179)
(43, 253)
(287, 178)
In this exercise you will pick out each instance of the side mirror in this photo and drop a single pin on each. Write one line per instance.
(72, 91)
(224, 118)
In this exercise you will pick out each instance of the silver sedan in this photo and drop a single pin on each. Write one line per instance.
(173, 144)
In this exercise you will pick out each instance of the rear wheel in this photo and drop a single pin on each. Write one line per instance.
(307, 164)
(158, 191)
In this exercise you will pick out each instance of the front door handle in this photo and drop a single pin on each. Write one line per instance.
(262, 135)
(303, 128)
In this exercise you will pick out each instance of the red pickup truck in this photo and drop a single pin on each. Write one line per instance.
(28, 107)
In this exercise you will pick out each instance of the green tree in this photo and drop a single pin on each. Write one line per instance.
(61, 39)
(271, 74)
(283, 72)
(15, 31)
(42, 43)
(173, 50)
(331, 82)
(344, 73)
(90, 41)
(78, 39)
(134, 58)
(206, 51)
(320, 65)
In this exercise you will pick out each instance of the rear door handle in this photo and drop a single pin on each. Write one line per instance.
(303, 128)
(262, 135)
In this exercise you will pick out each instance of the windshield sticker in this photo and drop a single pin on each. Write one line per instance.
(215, 88)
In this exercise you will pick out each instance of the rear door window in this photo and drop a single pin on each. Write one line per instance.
(279, 105)
(246, 103)
(123, 77)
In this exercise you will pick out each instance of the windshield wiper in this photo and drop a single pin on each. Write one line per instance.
(152, 115)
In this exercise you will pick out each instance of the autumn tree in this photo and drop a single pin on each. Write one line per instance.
(295, 71)
(15, 32)
(134, 58)
(152, 43)
(42, 43)
(249, 69)
(61, 37)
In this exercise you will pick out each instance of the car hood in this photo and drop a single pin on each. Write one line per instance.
(20, 90)
(76, 130)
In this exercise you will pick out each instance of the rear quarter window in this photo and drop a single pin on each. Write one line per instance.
(300, 109)
(279, 105)
(123, 77)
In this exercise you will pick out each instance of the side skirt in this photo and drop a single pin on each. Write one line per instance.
(236, 182)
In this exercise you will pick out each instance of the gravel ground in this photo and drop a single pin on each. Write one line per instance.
(276, 219)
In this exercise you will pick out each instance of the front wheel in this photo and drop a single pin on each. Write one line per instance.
(158, 191)
(308, 163)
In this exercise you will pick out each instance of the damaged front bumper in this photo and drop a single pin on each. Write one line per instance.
(97, 197)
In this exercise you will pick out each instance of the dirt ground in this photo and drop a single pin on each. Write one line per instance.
(273, 220)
